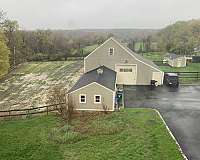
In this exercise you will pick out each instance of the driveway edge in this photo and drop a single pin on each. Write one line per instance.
(171, 134)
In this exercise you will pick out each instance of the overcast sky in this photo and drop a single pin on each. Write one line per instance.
(76, 14)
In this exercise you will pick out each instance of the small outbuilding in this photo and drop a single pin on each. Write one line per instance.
(95, 90)
(175, 60)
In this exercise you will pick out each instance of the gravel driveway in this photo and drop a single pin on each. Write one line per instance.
(179, 107)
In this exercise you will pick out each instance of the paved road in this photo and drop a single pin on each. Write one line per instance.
(179, 107)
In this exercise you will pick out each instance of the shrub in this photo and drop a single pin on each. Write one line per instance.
(65, 107)
(65, 135)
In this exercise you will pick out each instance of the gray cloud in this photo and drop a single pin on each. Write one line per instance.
(73, 14)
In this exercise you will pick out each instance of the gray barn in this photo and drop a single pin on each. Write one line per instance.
(108, 66)
(131, 68)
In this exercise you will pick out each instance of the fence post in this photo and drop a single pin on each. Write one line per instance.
(9, 113)
(47, 110)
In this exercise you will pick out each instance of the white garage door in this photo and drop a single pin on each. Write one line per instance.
(126, 74)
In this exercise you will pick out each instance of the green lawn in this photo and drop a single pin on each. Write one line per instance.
(89, 49)
(192, 67)
(129, 134)
(137, 45)
(154, 56)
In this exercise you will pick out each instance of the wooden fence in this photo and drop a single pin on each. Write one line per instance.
(30, 111)
(192, 75)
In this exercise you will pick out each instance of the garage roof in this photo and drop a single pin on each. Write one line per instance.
(101, 75)
(141, 58)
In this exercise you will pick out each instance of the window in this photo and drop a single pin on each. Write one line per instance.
(125, 70)
(82, 98)
(128, 70)
(111, 51)
(121, 70)
(97, 99)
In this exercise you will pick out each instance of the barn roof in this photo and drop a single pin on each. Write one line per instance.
(141, 58)
(101, 75)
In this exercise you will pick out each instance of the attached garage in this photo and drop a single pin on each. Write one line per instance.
(95, 90)
(126, 74)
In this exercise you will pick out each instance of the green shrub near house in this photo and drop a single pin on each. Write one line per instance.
(128, 134)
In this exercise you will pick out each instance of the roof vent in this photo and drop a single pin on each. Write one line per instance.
(100, 71)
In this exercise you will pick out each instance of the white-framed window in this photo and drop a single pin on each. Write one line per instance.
(125, 70)
(82, 98)
(111, 51)
(97, 99)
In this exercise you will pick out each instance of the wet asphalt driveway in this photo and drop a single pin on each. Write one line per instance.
(179, 107)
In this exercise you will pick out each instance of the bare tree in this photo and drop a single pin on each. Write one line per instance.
(64, 103)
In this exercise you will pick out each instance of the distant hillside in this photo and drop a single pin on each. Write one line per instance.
(123, 34)
(181, 37)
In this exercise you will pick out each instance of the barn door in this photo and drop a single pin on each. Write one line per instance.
(126, 74)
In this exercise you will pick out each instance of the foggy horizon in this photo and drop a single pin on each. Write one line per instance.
(104, 14)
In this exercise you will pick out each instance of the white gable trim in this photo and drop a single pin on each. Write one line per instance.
(95, 51)
(133, 55)
(122, 48)
(89, 85)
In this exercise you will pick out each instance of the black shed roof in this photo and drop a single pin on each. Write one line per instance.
(101, 75)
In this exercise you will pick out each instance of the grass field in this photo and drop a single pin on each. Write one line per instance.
(129, 134)
(192, 67)
(154, 56)
(89, 49)
(138, 45)
(29, 83)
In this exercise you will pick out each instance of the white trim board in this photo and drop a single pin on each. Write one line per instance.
(89, 85)
(85, 109)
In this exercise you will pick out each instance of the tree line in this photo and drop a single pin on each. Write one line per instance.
(180, 38)
(18, 46)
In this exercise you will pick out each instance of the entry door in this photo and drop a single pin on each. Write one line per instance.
(126, 74)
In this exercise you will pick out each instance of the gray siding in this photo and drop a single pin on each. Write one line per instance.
(90, 91)
(102, 57)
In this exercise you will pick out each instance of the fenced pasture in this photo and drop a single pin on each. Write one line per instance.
(29, 111)
(29, 84)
